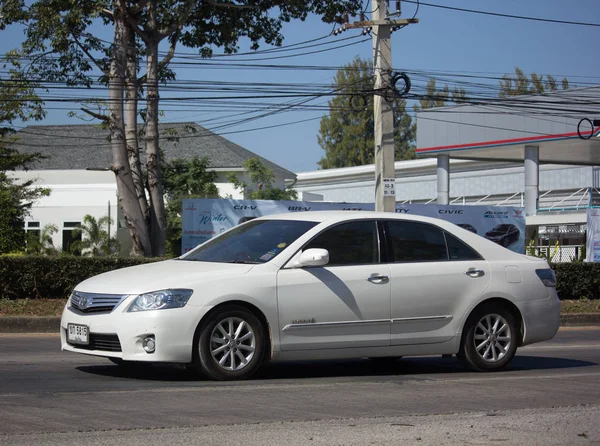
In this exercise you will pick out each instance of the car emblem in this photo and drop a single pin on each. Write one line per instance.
(83, 302)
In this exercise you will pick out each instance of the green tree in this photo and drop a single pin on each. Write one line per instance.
(520, 84)
(17, 102)
(95, 240)
(346, 134)
(61, 30)
(439, 98)
(260, 186)
(185, 179)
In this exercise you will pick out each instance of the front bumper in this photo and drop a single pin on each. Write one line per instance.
(173, 330)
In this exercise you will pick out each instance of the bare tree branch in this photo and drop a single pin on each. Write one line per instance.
(132, 21)
(99, 116)
(169, 56)
(102, 67)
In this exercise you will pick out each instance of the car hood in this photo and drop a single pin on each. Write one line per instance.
(159, 276)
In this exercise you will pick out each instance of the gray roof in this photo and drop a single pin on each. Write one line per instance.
(87, 146)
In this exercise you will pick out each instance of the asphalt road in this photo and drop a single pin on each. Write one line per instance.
(551, 395)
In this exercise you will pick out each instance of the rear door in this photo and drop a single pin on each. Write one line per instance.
(434, 275)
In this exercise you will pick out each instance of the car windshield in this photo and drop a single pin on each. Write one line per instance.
(257, 241)
(502, 228)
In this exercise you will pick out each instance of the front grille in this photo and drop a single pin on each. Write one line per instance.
(104, 342)
(92, 303)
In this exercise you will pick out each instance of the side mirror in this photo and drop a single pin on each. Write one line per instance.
(313, 257)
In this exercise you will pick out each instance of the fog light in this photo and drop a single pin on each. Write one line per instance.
(149, 344)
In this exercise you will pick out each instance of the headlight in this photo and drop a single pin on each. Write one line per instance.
(161, 300)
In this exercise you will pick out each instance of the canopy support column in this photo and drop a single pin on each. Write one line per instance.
(443, 179)
(532, 179)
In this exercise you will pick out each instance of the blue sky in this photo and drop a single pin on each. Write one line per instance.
(443, 40)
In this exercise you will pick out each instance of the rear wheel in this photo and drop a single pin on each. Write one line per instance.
(490, 340)
(230, 345)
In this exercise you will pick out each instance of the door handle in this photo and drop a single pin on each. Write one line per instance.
(378, 279)
(472, 272)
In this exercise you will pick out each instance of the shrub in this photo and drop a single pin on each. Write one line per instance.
(54, 277)
(577, 280)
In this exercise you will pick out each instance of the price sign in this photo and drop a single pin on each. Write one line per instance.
(389, 187)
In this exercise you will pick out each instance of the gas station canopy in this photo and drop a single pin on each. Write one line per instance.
(560, 124)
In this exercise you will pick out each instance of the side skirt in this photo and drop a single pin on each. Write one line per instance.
(449, 347)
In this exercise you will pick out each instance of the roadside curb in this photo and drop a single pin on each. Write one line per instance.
(579, 319)
(31, 324)
(51, 324)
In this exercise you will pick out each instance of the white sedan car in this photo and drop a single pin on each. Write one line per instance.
(319, 285)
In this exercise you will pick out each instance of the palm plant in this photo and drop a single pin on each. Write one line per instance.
(42, 243)
(95, 240)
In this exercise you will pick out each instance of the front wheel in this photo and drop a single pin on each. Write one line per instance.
(230, 345)
(490, 341)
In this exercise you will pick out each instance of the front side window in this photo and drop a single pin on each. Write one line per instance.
(257, 241)
(413, 241)
(352, 243)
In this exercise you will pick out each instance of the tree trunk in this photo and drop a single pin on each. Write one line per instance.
(158, 223)
(125, 186)
(131, 128)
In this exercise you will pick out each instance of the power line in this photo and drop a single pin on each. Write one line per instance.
(498, 14)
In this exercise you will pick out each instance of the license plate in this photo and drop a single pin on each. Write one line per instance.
(78, 334)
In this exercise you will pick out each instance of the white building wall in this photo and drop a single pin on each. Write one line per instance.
(73, 194)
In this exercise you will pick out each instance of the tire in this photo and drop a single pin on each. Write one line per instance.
(486, 350)
(220, 344)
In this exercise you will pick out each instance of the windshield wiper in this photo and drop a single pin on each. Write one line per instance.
(247, 262)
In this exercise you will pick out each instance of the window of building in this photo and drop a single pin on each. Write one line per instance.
(413, 241)
(32, 230)
(70, 235)
(353, 243)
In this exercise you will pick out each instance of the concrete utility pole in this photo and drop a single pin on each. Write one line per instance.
(382, 24)
(385, 173)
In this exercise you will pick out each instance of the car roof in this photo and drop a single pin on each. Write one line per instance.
(338, 216)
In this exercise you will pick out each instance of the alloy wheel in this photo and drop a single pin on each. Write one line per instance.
(232, 344)
(492, 337)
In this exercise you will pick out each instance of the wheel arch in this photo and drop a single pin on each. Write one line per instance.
(248, 306)
(506, 303)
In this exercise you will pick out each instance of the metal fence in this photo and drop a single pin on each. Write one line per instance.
(564, 253)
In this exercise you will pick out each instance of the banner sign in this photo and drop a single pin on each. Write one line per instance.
(592, 251)
(202, 219)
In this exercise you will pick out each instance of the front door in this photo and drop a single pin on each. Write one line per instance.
(343, 304)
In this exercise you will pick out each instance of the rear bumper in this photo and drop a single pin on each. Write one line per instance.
(541, 318)
(173, 330)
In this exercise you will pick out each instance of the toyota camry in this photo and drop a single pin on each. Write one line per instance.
(319, 285)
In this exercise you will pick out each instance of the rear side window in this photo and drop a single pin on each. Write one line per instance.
(413, 241)
(353, 243)
(459, 250)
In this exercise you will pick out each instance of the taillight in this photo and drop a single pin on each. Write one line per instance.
(547, 277)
